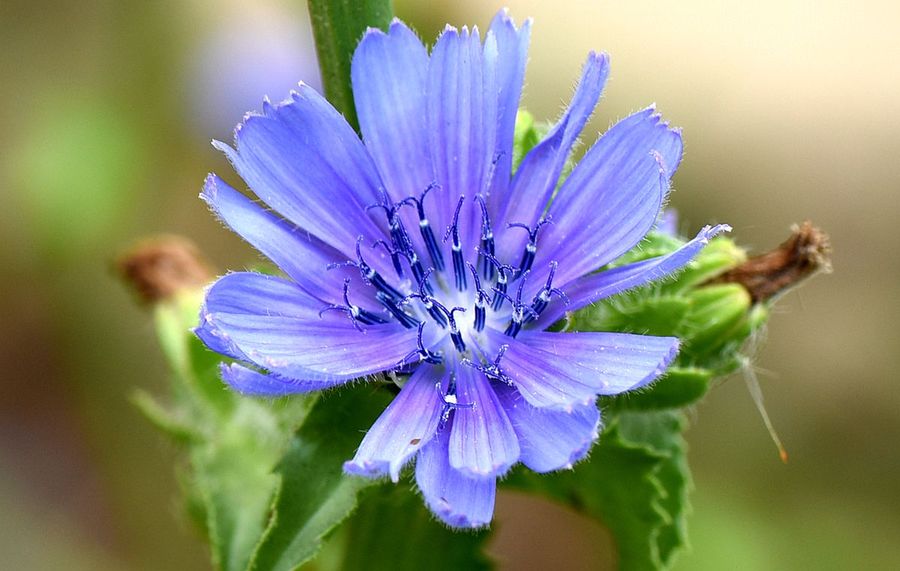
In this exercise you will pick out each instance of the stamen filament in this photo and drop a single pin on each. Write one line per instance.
(431, 243)
(459, 266)
(391, 305)
(502, 280)
(481, 298)
(531, 247)
(356, 314)
(542, 298)
(487, 241)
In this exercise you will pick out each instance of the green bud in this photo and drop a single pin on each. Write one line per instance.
(712, 320)
(634, 313)
(717, 320)
(719, 256)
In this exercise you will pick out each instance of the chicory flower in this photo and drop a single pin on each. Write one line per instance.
(417, 252)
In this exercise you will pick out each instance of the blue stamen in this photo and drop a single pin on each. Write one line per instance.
(531, 246)
(392, 306)
(419, 272)
(455, 335)
(399, 238)
(519, 310)
(450, 402)
(431, 243)
(401, 241)
(487, 241)
(356, 314)
(459, 266)
(542, 298)
(427, 301)
(493, 370)
(424, 354)
(481, 298)
(502, 281)
(412, 259)
(371, 276)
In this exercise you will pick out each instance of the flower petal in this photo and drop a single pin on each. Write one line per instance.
(594, 287)
(304, 160)
(482, 441)
(536, 178)
(455, 499)
(249, 382)
(216, 342)
(462, 119)
(406, 425)
(563, 370)
(228, 294)
(301, 256)
(389, 73)
(551, 440)
(276, 326)
(611, 199)
(512, 55)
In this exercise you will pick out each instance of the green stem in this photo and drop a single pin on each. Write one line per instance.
(338, 26)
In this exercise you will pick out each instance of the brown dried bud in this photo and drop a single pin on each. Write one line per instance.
(804, 253)
(158, 268)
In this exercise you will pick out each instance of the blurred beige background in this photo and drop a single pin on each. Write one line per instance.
(790, 110)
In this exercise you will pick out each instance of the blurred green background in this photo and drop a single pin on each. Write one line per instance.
(790, 110)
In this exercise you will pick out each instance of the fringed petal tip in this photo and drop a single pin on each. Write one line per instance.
(551, 439)
(503, 18)
(372, 469)
(470, 508)
(210, 186)
(303, 91)
(458, 501)
(454, 520)
(396, 25)
(576, 455)
(598, 59)
(254, 383)
(214, 338)
(665, 361)
(712, 231)
(405, 426)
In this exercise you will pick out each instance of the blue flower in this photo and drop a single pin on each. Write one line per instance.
(417, 252)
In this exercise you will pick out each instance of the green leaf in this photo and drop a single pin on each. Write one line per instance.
(635, 482)
(393, 530)
(197, 385)
(233, 442)
(527, 134)
(233, 475)
(679, 387)
(171, 421)
(662, 432)
(338, 25)
(314, 494)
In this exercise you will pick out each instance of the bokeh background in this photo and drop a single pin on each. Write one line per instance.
(790, 109)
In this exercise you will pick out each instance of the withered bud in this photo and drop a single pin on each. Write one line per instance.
(805, 252)
(158, 268)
